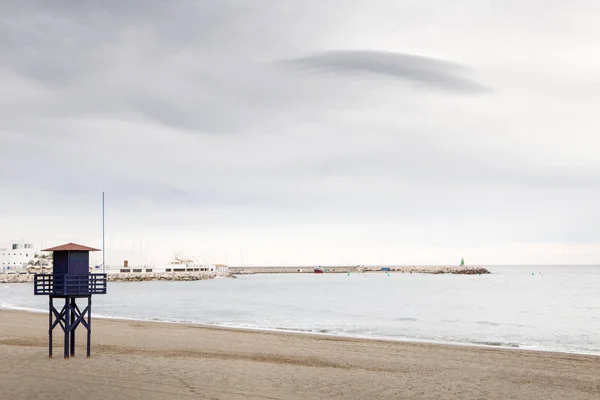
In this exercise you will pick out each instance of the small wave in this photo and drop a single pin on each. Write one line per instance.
(488, 323)
(300, 330)
(230, 325)
(407, 319)
(496, 344)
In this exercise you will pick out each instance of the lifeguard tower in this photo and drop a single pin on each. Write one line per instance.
(70, 280)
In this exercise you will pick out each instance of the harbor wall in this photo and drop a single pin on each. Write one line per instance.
(132, 277)
(470, 270)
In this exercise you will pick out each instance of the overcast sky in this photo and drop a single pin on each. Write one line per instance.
(304, 132)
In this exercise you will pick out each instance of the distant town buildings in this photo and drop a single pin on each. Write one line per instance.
(20, 256)
(16, 255)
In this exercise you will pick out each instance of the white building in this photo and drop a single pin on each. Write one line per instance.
(181, 261)
(221, 268)
(180, 264)
(16, 255)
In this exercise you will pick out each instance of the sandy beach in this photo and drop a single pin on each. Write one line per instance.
(140, 360)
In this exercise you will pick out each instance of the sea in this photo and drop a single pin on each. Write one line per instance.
(549, 308)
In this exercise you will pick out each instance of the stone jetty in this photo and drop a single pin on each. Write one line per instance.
(132, 277)
(166, 276)
(16, 278)
(460, 270)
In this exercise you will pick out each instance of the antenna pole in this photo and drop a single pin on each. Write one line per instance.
(103, 253)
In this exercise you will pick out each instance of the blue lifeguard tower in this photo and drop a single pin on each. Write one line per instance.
(70, 279)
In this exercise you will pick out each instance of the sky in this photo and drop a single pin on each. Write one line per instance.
(265, 132)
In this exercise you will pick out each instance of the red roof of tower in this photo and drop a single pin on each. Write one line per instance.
(71, 247)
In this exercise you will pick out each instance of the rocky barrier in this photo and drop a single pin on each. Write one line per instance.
(16, 278)
(132, 277)
(360, 269)
(166, 276)
(457, 270)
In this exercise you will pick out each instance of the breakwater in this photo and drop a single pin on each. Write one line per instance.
(16, 278)
(132, 277)
(167, 276)
(471, 270)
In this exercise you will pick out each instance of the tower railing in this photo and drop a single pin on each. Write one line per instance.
(69, 285)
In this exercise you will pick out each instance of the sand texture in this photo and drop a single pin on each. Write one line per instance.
(133, 360)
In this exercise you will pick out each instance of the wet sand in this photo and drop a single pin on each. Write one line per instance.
(135, 360)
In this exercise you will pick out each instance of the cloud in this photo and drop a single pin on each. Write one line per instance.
(429, 72)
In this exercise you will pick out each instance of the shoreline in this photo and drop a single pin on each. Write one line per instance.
(317, 333)
(157, 360)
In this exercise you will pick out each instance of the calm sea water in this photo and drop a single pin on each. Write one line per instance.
(554, 308)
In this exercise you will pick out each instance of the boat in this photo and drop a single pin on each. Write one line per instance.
(319, 270)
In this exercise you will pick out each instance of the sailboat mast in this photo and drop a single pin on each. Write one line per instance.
(103, 250)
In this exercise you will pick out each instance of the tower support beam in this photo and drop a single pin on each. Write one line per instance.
(69, 318)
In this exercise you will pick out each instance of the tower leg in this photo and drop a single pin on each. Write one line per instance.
(72, 327)
(89, 327)
(67, 325)
(51, 310)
